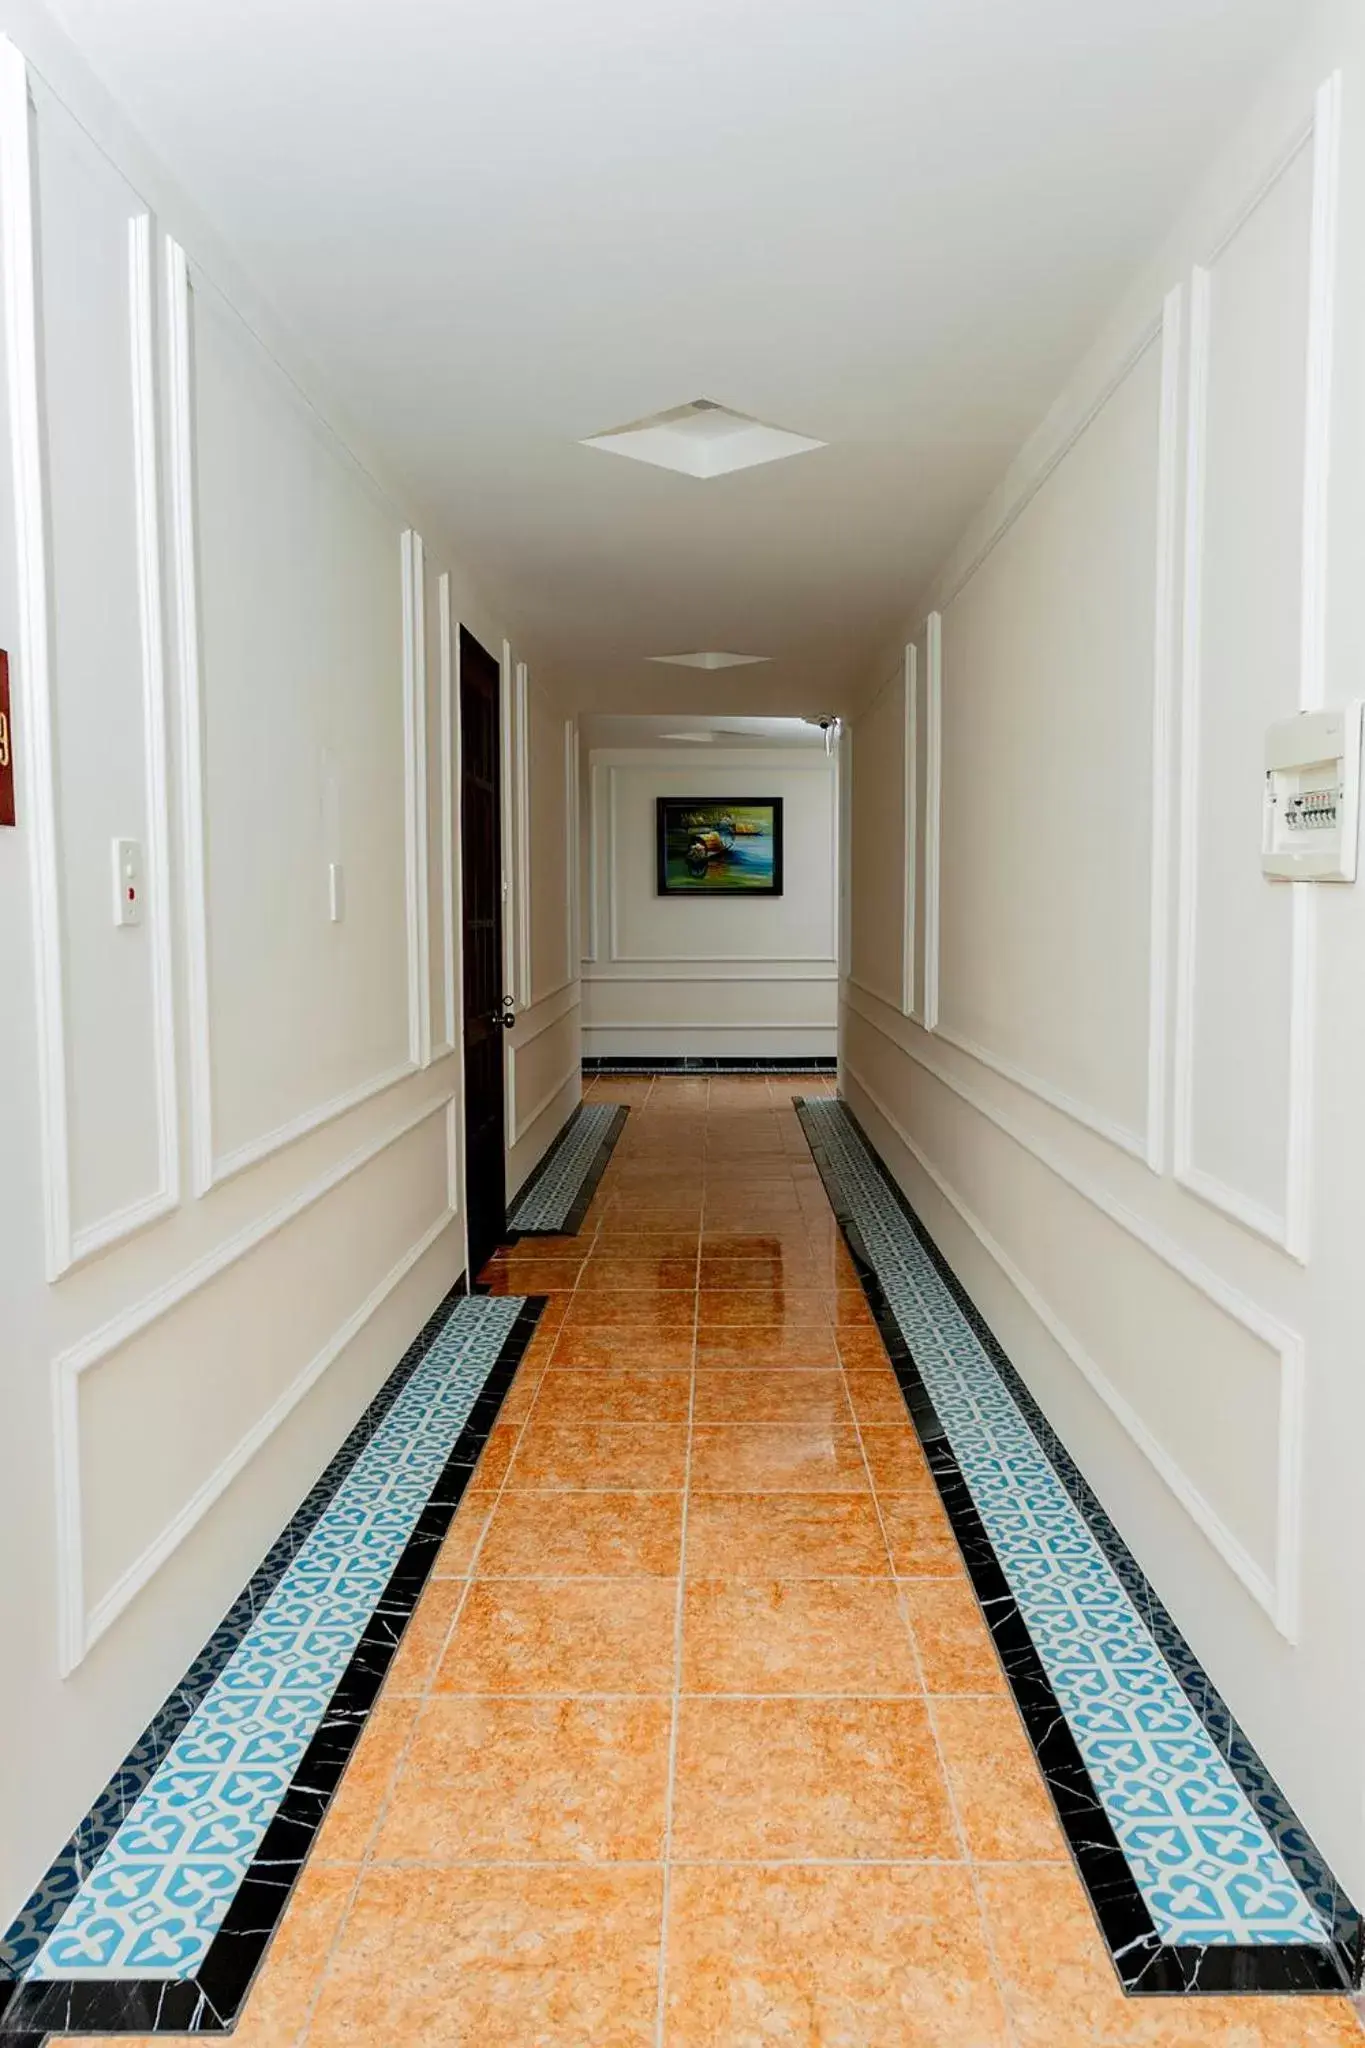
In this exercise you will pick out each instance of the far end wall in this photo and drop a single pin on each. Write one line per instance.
(685, 979)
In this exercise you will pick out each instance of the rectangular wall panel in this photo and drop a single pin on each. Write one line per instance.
(1242, 968)
(157, 1417)
(550, 855)
(1168, 1357)
(1049, 670)
(881, 853)
(302, 724)
(95, 328)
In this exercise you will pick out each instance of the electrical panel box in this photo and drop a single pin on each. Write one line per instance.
(1311, 818)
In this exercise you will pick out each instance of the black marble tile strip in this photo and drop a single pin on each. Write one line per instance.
(587, 1187)
(209, 2002)
(604, 1064)
(1144, 1964)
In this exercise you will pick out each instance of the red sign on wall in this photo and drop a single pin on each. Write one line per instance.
(6, 746)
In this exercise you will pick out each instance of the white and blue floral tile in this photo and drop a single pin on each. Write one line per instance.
(156, 1898)
(1207, 1872)
(557, 1195)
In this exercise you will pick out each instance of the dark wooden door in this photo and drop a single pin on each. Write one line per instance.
(481, 842)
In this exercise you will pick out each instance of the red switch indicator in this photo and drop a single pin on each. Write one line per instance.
(6, 746)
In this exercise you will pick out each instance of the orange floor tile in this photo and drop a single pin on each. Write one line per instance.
(697, 1737)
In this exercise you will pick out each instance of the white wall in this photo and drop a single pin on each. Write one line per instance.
(231, 1187)
(685, 978)
(1116, 1069)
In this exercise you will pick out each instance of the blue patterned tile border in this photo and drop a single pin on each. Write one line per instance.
(168, 1923)
(1199, 1874)
(555, 1199)
(21, 1942)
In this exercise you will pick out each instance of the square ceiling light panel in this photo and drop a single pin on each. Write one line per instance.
(702, 439)
(708, 660)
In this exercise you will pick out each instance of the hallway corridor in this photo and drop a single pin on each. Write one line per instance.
(697, 1735)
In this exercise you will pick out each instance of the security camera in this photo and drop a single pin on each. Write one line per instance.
(829, 724)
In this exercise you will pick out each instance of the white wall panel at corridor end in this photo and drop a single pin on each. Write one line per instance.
(1049, 660)
(644, 927)
(302, 686)
(676, 977)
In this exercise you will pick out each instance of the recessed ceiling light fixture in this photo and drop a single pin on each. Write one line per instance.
(709, 661)
(702, 439)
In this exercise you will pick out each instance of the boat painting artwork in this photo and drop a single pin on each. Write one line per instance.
(720, 846)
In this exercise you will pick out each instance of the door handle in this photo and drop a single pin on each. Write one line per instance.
(505, 1014)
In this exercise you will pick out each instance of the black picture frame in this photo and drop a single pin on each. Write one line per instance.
(669, 811)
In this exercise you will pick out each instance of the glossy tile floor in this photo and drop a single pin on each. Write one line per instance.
(697, 1736)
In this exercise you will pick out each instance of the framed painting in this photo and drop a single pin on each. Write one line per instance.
(720, 846)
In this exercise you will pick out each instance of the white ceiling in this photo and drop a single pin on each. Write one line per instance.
(506, 226)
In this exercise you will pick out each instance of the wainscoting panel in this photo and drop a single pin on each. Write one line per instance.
(143, 1416)
(1170, 1347)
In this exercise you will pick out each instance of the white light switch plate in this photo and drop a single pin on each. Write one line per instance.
(127, 881)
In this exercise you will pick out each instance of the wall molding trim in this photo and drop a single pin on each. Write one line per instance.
(590, 948)
(1168, 1249)
(900, 675)
(184, 572)
(80, 1627)
(739, 977)
(34, 677)
(1165, 636)
(449, 1019)
(1134, 1143)
(228, 1164)
(1147, 1143)
(518, 1124)
(521, 841)
(777, 1024)
(209, 1168)
(1277, 1593)
(1286, 1227)
(865, 987)
(573, 829)
(65, 1245)
(933, 810)
(1036, 465)
(450, 628)
(527, 1123)
(507, 780)
(417, 892)
(910, 859)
